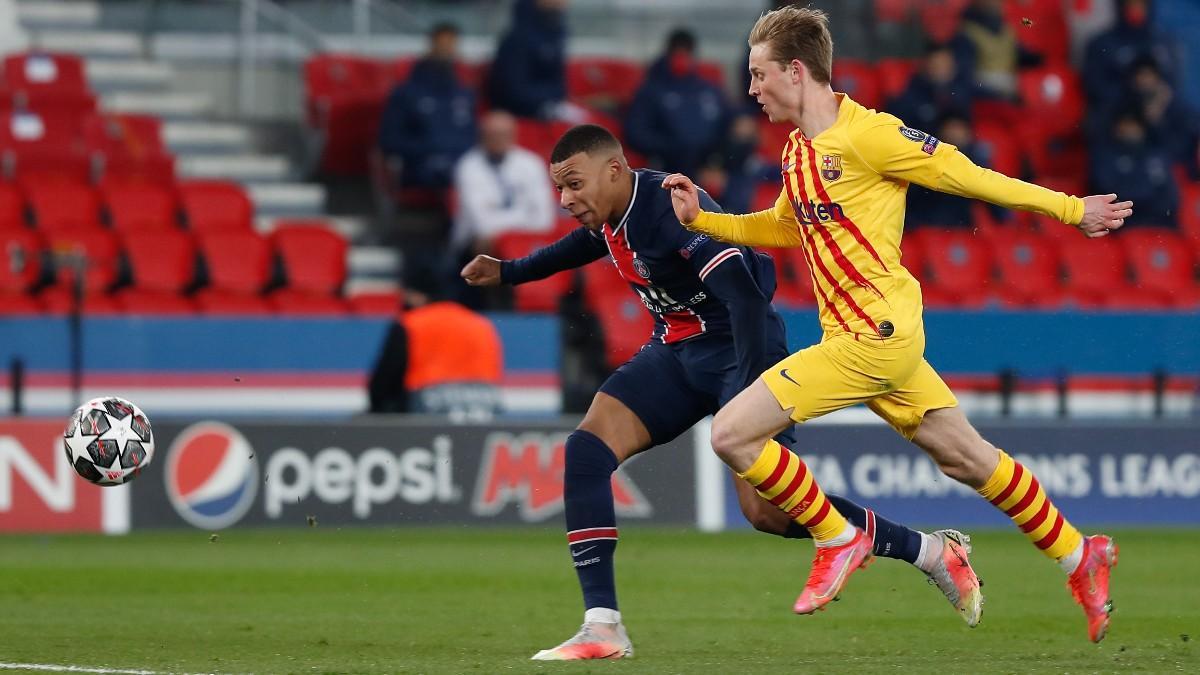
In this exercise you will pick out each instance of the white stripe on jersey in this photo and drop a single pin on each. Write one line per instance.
(717, 260)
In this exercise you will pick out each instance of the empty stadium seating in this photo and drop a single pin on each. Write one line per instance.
(213, 205)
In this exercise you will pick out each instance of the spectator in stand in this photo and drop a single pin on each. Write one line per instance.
(1113, 55)
(939, 89)
(429, 120)
(741, 170)
(930, 207)
(1170, 122)
(500, 187)
(987, 49)
(528, 77)
(678, 120)
(1130, 161)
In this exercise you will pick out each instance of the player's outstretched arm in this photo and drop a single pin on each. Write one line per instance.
(1103, 214)
(774, 228)
(484, 270)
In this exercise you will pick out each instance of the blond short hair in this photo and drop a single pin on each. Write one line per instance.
(800, 33)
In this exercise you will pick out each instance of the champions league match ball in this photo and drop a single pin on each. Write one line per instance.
(108, 440)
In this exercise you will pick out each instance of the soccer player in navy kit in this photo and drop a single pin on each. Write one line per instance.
(715, 332)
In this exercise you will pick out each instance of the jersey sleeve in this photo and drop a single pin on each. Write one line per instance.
(578, 248)
(891, 149)
(775, 227)
(702, 251)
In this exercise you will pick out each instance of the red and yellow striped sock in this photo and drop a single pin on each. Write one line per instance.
(1014, 490)
(783, 479)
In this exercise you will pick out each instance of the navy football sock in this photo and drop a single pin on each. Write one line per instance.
(891, 540)
(591, 521)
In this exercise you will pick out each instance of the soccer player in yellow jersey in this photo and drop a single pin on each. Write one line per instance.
(845, 173)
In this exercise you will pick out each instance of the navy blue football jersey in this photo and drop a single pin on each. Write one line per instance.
(666, 264)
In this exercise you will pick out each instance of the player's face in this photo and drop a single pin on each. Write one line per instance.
(583, 188)
(773, 86)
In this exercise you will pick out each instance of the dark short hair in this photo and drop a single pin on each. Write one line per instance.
(681, 38)
(586, 138)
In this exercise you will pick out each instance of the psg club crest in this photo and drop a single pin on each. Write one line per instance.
(641, 268)
(831, 167)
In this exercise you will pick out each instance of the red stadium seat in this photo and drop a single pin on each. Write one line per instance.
(959, 262)
(139, 301)
(99, 250)
(61, 301)
(893, 11)
(1053, 101)
(137, 206)
(771, 139)
(127, 146)
(62, 204)
(1189, 214)
(793, 282)
(1046, 31)
(912, 255)
(940, 18)
(161, 261)
(214, 205)
(536, 296)
(377, 303)
(288, 301)
(238, 262)
(44, 144)
(1000, 146)
(229, 303)
(45, 71)
(893, 76)
(1162, 263)
(1029, 268)
(859, 81)
(1096, 270)
(12, 208)
(314, 256)
(20, 260)
(625, 322)
(602, 82)
(344, 97)
(19, 303)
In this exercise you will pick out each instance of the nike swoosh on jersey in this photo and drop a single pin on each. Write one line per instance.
(783, 372)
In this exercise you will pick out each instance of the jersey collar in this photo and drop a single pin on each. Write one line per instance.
(632, 200)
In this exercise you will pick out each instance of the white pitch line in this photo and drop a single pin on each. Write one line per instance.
(53, 668)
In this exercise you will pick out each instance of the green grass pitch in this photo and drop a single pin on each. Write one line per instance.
(483, 600)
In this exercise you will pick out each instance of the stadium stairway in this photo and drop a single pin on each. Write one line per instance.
(127, 79)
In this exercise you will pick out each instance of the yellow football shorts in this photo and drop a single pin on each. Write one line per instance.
(891, 377)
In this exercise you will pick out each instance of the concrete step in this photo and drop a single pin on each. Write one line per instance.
(243, 167)
(374, 263)
(287, 199)
(112, 74)
(200, 136)
(58, 13)
(93, 43)
(173, 105)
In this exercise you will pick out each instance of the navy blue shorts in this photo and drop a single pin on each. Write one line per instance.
(670, 387)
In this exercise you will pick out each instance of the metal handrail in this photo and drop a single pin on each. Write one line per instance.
(252, 10)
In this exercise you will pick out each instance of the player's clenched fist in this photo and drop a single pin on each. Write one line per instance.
(684, 197)
(484, 270)
(1102, 214)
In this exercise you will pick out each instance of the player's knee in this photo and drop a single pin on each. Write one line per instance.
(724, 438)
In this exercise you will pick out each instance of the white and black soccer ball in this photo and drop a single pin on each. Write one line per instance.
(108, 440)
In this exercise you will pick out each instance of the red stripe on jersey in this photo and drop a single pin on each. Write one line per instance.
(844, 221)
(717, 260)
(679, 325)
(808, 257)
(815, 257)
(576, 536)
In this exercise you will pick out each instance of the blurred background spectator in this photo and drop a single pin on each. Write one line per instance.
(987, 46)
(1130, 163)
(930, 207)
(678, 120)
(941, 87)
(528, 74)
(429, 120)
(1133, 39)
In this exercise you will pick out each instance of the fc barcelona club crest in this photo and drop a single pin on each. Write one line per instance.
(831, 167)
